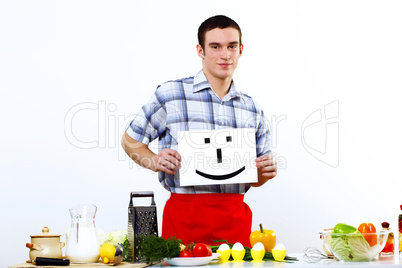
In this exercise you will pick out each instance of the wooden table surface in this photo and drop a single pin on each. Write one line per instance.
(87, 265)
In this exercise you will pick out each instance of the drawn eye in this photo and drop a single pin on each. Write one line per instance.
(228, 138)
(207, 140)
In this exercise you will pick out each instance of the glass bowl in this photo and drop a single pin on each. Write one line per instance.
(355, 247)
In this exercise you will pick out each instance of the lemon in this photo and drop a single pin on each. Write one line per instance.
(107, 252)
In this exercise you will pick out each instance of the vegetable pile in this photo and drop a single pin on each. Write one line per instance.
(154, 249)
(195, 250)
(349, 244)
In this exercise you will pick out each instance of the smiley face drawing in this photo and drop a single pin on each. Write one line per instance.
(223, 156)
(219, 160)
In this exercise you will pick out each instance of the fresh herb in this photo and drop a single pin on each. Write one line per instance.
(247, 257)
(126, 246)
(155, 248)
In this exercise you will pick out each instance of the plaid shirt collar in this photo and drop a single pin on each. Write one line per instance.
(201, 83)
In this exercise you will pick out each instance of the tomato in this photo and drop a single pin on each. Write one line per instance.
(185, 254)
(202, 250)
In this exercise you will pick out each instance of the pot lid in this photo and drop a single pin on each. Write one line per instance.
(45, 233)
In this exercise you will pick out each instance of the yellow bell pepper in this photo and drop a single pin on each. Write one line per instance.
(266, 237)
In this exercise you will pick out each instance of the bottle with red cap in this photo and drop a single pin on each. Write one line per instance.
(400, 232)
(389, 247)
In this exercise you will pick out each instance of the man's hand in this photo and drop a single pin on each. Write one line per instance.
(267, 169)
(168, 160)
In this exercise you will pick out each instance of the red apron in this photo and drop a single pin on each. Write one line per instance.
(202, 218)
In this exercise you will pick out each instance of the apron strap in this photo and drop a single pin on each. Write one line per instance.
(202, 218)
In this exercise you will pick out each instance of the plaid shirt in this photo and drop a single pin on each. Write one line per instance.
(190, 104)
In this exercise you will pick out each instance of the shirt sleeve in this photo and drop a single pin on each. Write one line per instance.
(263, 136)
(150, 121)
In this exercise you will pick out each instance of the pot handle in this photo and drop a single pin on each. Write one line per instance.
(34, 246)
(62, 244)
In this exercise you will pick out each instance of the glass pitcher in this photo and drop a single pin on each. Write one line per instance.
(82, 242)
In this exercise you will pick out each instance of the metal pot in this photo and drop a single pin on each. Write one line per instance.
(45, 244)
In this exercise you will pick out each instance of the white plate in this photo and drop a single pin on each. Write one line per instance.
(191, 261)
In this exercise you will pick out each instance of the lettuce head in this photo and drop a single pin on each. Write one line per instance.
(352, 247)
(116, 237)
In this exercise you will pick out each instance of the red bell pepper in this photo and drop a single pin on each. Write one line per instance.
(369, 233)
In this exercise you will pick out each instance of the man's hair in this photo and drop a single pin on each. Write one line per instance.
(219, 21)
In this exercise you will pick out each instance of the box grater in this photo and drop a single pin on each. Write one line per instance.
(142, 220)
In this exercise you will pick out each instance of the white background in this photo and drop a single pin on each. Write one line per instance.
(58, 57)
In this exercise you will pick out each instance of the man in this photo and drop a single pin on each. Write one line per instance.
(209, 100)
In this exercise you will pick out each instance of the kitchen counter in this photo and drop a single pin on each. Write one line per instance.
(381, 262)
(89, 265)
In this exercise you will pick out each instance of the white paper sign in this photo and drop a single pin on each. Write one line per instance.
(222, 156)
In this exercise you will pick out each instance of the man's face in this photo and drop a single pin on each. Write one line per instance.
(222, 50)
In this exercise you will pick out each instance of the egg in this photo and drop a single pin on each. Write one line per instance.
(238, 252)
(279, 252)
(280, 247)
(258, 246)
(238, 246)
(224, 251)
(258, 252)
(224, 247)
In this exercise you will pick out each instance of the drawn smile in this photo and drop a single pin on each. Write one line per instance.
(220, 177)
